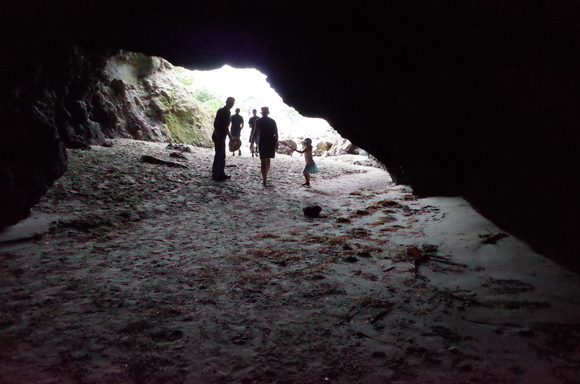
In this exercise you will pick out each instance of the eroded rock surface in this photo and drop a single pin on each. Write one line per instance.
(83, 98)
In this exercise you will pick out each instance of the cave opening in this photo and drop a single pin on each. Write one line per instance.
(252, 91)
(153, 273)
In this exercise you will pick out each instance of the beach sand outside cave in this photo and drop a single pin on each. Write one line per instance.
(157, 274)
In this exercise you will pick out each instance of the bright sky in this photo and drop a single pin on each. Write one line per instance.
(239, 83)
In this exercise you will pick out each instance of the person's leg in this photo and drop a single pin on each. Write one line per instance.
(307, 178)
(265, 167)
(219, 164)
(216, 161)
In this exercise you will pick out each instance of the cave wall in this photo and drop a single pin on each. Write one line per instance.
(470, 98)
(146, 100)
(80, 98)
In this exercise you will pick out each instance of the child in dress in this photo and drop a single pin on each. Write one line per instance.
(310, 164)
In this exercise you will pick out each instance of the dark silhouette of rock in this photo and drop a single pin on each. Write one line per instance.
(32, 157)
(155, 160)
(312, 211)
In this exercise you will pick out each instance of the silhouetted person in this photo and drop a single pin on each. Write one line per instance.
(221, 126)
(252, 124)
(267, 131)
(236, 128)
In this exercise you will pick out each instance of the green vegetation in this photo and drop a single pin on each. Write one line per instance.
(184, 120)
(185, 76)
(292, 113)
(212, 105)
(207, 97)
(186, 113)
(202, 95)
(172, 98)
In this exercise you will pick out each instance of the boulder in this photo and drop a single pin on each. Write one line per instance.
(287, 147)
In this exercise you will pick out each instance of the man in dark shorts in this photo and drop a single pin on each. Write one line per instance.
(267, 131)
(221, 126)
(252, 124)
(236, 128)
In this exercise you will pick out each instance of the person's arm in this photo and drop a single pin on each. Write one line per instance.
(222, 123)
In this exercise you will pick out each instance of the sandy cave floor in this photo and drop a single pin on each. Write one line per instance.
(156, 274)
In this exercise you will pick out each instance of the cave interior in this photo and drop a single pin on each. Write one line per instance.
(458, 98)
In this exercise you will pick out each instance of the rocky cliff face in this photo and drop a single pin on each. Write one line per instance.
(145, 99)
(469, 98)
(80, 99)
(128, 95)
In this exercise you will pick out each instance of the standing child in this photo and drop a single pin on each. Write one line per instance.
(310, 164)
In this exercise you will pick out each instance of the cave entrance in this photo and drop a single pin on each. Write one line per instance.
(252, 91)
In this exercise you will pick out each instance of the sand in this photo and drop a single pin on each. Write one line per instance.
(130, 272)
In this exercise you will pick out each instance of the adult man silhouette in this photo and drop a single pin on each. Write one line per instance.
(221, 126)
(236, 128)
(252, 124)
(267, 131)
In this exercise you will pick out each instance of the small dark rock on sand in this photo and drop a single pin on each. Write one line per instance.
(312, 211)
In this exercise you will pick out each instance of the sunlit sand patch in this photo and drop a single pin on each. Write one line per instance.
(317, 192)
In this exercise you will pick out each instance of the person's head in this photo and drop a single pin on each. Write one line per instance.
(254, 112)
(230, 102)
(265, 111)
(237, 110)
(307, 141)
